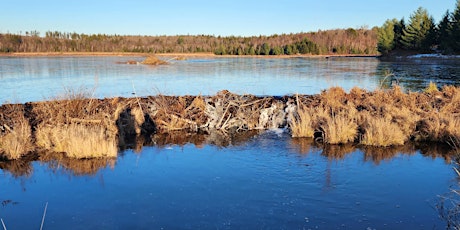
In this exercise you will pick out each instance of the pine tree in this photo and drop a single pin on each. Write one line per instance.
(431, 38)
(455, 31)
(398, 30)
(444, 33)
(414, 34)
(386, 37)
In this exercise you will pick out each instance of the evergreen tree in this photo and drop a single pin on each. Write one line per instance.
(265, 49)
(386, 37)
(414, 34)
(431, 38)
(444, 36)
(455, 31)
(398, 30)
(288, 49)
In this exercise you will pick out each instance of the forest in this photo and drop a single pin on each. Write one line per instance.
(421, 34)
(339, 41)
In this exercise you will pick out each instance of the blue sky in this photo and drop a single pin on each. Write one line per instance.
(210, 17)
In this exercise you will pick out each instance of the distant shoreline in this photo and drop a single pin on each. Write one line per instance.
(130, 54)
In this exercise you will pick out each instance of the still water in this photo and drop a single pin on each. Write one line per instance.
(39, 78)
(267, 181)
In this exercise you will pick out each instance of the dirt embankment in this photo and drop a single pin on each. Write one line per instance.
(80, 127)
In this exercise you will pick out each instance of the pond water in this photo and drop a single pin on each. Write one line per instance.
(262, 181)
(38, 78)
(267, 181)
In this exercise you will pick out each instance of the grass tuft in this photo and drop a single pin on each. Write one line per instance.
(15, 140)
(153, 60)
(77, 140)
(382, 132)
(431, 88)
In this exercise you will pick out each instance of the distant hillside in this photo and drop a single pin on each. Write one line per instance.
(339, 41)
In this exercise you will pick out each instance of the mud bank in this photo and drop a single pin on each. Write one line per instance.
(81, 127)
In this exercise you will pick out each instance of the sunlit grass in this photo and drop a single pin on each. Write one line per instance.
(77, 140)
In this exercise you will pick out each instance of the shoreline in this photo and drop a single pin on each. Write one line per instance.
(191, 55)
(84, 127)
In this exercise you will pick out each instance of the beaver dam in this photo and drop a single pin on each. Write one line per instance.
(82, 127)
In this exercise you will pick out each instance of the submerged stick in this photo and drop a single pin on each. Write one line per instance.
(44, 214)
(4, 227)
(456, 171)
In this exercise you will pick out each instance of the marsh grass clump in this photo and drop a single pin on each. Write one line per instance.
(153, 60)
(77, 140)
(79, 126)
(301, 122)
(382, 132)
(333, 118)
(339, 127)
(431, 88)
(15, 132)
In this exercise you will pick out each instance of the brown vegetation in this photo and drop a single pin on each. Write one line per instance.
(15, 132)
(152, 60)
(82, 127)
(381, 118)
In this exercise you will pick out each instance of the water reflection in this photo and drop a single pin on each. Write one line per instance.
(416, 74)
(376, 155)
(197, 181)
(18, 168)
(58, 162)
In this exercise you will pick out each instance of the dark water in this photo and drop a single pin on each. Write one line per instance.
(267, 181)
(39, 78)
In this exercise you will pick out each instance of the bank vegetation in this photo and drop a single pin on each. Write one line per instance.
(83, 127)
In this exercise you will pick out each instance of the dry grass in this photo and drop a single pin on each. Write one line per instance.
(15, 133)
(382, 132)
(152, 60)
(77, 140)
(431, 88)
(340, 127)
(301, 123)
(16, 143)
(79, 126)
(379, 118)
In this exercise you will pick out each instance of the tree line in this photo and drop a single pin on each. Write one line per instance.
(421, 34)
(338, 41)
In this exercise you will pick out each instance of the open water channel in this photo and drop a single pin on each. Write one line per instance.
(264, 181)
